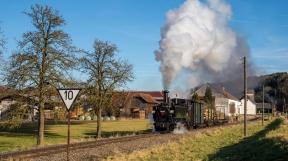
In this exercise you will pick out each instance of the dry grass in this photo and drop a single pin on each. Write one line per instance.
(262, 143)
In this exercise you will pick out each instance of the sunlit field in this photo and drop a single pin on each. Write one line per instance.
(56, 132)
(267, 142)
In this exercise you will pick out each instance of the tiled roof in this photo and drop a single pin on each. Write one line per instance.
(228, 95)
(146, 97)
(151, 93)
(217, 91)
(266, 105)
(249, 98)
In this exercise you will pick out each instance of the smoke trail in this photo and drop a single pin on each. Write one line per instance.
(197, 40)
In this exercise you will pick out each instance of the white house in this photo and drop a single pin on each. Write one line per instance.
(225, 102)
(5, 103)
(251, 107)
(228, 106)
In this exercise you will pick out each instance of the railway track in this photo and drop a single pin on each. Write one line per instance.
(55, 149)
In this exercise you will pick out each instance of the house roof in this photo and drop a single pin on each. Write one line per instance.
(146, 97)
(217, 91)
(229, 96)
(249, 98)
(266, 105)
(151, 93)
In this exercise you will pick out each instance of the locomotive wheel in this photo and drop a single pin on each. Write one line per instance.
(171, 127)
(157, 128)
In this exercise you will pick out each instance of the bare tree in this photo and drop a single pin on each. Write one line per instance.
(2, 42)
(208, 98)
(2, 48)
(44, 56)
(118, 101)
(106, 73)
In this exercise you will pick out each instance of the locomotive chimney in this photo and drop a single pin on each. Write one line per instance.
(165, 96)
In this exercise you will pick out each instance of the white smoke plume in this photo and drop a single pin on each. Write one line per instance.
(197, 40)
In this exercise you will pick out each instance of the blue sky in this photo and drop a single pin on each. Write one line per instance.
(135, 27)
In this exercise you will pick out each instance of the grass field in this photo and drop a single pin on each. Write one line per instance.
(262, 143)
(25, 136)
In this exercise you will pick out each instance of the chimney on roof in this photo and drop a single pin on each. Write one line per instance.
(251, 94)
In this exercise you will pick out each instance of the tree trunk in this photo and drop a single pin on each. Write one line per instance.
(40, 138)
(98, 130)
(208, 113)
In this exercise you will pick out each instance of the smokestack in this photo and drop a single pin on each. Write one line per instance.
(165, 97)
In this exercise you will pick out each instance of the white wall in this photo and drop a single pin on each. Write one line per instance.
(4, 105)
(237, 104)
(251, 107)
(222, 105)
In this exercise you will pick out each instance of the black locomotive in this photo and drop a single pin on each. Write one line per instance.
(173, 111)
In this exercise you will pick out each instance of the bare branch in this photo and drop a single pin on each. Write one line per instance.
(106, 74)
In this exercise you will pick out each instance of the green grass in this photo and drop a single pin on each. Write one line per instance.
(25, 136)
(262, 143)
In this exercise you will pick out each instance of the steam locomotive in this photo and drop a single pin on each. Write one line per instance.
(174, 111)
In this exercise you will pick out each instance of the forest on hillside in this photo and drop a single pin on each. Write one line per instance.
(275, 90)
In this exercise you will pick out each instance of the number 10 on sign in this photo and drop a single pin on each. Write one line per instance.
(68, 96)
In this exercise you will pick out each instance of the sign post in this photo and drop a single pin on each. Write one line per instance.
(68, 96)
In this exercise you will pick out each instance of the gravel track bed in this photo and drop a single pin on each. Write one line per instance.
(101, 152)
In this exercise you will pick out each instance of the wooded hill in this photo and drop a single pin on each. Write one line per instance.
(276, 88)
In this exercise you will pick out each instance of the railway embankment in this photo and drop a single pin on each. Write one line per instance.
(222, 142)
(268, 142)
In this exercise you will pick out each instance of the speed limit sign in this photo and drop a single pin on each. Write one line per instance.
(68, 96)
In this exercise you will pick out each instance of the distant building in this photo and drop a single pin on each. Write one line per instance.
(267, 107)
(251, 106)
(5, 103)
(226, 103)
(139, 104)
(156, 95)
(251, 94)
(8, 97)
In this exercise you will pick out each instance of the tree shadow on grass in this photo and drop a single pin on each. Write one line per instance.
(256, 147)
(25, 129)
(31, 127)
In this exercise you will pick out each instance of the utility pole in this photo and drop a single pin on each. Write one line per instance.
(263, 106)
(245, 97)
(275, 103)
(283, 108)
(284, 111)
